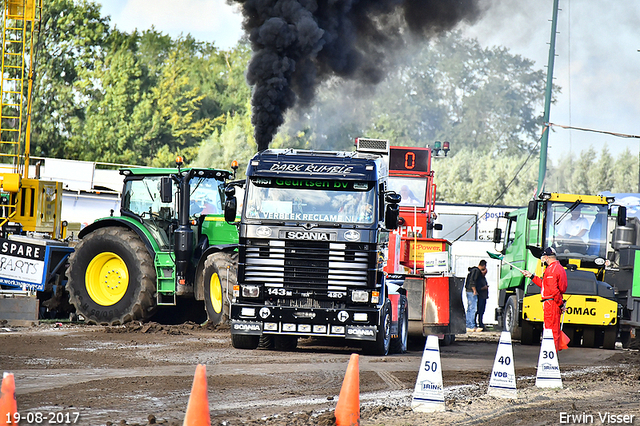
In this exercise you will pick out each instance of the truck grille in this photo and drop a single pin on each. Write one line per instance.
(307, 263)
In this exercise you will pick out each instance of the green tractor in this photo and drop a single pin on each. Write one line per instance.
(171, 241)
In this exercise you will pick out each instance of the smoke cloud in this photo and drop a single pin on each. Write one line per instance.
(297, 44)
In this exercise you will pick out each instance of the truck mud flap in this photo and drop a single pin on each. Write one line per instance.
(246, 327)
(361, 332)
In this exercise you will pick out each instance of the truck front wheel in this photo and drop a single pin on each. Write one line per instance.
(219, 278)
(399, 344)
(383, 339)
(511, 317)
(245, 341)
(111, 277)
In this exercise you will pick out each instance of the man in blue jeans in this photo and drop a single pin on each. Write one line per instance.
(476, 273)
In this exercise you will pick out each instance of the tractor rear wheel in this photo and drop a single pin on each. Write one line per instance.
(111, 277)
(219, 277)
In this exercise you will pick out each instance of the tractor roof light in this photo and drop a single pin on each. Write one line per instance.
(610, 199)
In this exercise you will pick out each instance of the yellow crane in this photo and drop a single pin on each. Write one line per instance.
(26, 204)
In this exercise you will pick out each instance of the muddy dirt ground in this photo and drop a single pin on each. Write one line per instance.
(142, 374)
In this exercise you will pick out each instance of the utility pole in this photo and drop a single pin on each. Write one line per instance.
(547, 99)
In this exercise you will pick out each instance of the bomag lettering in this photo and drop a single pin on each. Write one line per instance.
(581, 311)
(317, 236)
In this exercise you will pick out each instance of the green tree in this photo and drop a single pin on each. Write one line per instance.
(233, 142)
(74, 37)
(592, 174)
(626, 172)
(156, 100)
(453, 89)
(108, 132)
(486, 178)
(601, 177)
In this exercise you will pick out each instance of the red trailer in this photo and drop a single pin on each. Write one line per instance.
(418, 262)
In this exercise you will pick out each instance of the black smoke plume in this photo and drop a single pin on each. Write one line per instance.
(299, 43)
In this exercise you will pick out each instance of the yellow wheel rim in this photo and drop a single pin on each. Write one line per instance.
(215, 291)
(107, 279)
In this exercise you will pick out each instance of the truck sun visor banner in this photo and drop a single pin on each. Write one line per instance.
(311, 200)
(322, 184)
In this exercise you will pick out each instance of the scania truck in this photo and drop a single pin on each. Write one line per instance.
(312, 247)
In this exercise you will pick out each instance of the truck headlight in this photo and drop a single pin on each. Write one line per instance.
(375, 296)
(360, 296)
(250, 291)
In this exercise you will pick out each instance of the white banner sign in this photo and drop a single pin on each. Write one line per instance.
(21, 264)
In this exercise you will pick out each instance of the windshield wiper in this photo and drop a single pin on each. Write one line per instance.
(569, 210)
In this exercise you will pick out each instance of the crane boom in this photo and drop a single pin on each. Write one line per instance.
(26, 204)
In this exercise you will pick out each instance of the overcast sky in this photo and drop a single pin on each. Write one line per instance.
(597, 63)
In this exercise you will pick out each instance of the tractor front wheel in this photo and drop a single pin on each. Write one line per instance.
(111, 277)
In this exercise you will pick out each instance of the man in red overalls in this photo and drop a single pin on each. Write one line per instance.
(553, 284)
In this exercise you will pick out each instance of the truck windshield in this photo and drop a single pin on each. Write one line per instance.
(312, 200)
(577, 228)
(412, 190)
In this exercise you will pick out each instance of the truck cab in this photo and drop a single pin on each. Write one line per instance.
(576, 226)
(313, 239)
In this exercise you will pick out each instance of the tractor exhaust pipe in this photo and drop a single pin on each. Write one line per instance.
(183, 236)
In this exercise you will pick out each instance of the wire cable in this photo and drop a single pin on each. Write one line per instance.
(584, 129)
(531, 152)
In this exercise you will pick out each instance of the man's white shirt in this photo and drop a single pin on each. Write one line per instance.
(572, 228)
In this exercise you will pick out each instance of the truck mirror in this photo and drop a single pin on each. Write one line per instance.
(392, 197)
(391, 216)
(532, 210)
(166, 189)
(230, 204)
(497, 235)
(230, 208)
(622, 215)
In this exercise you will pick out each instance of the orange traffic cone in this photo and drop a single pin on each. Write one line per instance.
(564, 341)
(198, 405)
(348, 408)
(8, 404)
